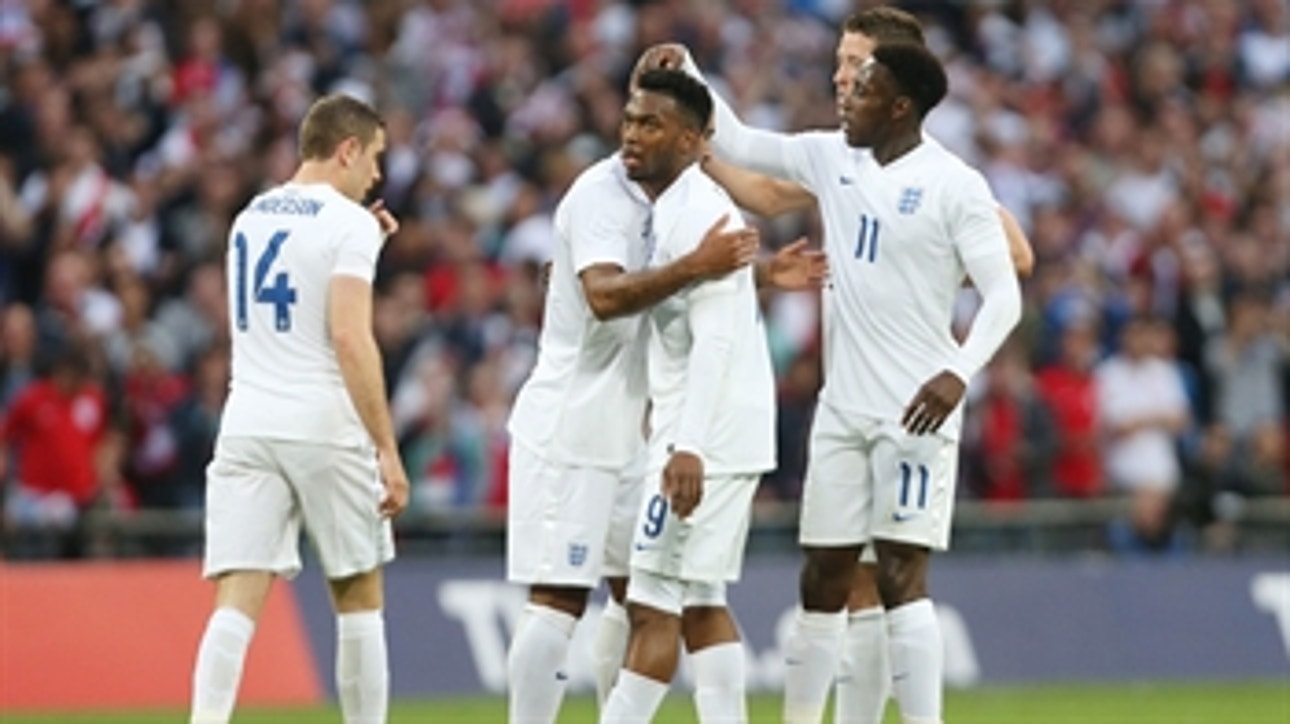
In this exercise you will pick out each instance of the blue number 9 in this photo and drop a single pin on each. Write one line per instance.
(655, 516)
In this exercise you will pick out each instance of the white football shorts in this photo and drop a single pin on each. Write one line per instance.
(868, 479)
(568, 525)
(259, 492)
(709, 545)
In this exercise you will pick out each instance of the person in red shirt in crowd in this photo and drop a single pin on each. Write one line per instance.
(1012, 432)
(1071, 393)
(54, 428)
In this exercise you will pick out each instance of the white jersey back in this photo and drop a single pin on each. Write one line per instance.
(718, 397)
(284, 248)
(584, 402)
(897, 237)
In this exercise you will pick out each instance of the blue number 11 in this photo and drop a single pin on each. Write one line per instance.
(868, 228)
(281, 294)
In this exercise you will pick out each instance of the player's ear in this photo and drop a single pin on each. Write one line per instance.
(349, 150)
(902, 106)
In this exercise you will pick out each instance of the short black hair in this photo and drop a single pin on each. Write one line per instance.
(691, 96)
(885, 25)
(916, 71)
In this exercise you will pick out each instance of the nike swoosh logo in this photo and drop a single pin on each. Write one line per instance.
(561, 676)
(846, 180)
(902, 517)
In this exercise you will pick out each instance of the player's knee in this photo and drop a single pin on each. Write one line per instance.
(618, 589)
(864, 588)
(902, 575)
(360, 592)
(826, 578)
(566, 599)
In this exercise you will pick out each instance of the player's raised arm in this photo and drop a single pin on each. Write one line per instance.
(761, 194)
(611, 292)
(350, 317)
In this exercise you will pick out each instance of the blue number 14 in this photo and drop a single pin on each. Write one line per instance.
(869, 229)
(280, 294)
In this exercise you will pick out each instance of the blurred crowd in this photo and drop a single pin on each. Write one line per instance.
(1144, 147)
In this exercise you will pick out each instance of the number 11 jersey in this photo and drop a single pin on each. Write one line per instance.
(283, 250)
(899, 238)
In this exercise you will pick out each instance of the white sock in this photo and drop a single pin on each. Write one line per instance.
(917, 661)
(362, 667)
(218, 670)
(634, 700)
(720, 675)
(811, 659)
(536, 664)
(864, 674)
(609, 648)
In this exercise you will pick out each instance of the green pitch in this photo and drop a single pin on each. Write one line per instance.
(1267, 703)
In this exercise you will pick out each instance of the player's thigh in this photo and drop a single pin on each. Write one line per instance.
(622, 523)
(558, 520)
(340, 491)
(707, 546)
(836, 497)
(913, 479)
(252, 522)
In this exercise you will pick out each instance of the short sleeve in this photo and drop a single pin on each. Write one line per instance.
(358, 246)
(598, 228)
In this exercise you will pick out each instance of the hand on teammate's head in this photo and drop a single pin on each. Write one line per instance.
(663, 55)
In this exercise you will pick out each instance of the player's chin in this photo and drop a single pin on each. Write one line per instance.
(634, 168)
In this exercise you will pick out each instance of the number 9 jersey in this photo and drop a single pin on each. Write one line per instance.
(284, 248)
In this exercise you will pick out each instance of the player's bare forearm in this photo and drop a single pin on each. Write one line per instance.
(360, 366)
(611, 292)
(359, 359)
(763, 195)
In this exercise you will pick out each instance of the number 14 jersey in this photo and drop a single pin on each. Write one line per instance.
(283, 250)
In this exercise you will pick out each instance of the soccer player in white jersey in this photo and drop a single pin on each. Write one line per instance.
(866, 326)
(577, 448)
(712, 424)
(306, 434)
(576, 458)
(863, 677)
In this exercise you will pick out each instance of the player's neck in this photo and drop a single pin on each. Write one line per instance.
(655, 187)
(315, 172)
(899, 144)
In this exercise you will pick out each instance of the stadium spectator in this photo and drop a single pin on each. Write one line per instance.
(1009, 433)
(1068, 388)
(130, 129)
(56, 431)
(1144, 411)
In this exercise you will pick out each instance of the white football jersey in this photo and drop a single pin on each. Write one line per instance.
(711, 385)
(584, 402)
(284, 248)
(898, 238)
